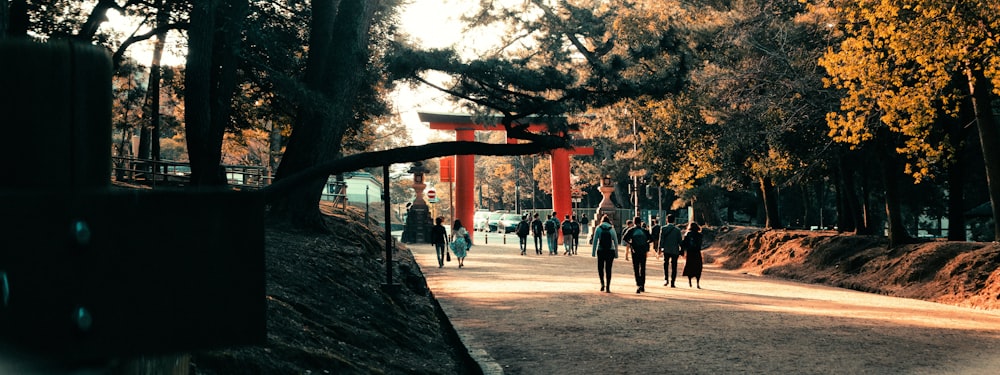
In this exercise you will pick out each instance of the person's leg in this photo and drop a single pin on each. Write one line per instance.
(641, 276)
(607, 272)
(600, 270)
(439, 249)
(698, 281)
(567, 246)
(673, 268)
(666, 269)
(635, 271)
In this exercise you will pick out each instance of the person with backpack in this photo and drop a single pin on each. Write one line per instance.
(605, 248)
(552, 233)
(522, 233)
(536, 232)
(567, 233)
(637, 239)
(670, 247)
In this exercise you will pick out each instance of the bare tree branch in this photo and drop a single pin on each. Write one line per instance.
(410, 154)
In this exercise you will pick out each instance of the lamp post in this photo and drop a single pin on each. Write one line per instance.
(418, 219)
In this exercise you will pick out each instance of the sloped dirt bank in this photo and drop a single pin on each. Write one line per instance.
(329, 314)
(958, 273)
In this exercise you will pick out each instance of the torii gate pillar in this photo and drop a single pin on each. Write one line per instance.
(562, 200)
(465, 181)
(465, 170)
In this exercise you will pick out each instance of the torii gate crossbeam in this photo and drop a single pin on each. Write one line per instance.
(465, 179)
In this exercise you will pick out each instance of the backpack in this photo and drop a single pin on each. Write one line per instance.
(567, 227)
(605, 240)
(536, 226)
(550, 227)
(576, 228)
(522, 228)
(640, 241)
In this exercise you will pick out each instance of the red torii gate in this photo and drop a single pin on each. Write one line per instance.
(465, 173)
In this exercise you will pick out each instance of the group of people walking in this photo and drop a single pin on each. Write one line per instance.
(667, 241)
(551, 228)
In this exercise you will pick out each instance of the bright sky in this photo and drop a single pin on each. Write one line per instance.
(432, 24)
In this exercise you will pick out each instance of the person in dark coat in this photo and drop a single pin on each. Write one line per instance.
(692, 248)
(536, 232)
(439, 237)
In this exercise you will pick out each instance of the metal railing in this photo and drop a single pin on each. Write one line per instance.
(174, 173)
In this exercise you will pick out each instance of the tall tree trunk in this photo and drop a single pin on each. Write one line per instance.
(338, 52)
(957, 170)
(893, 208)
(770, 198)
(213, 51)
(844, 223)
(149, 137)
(989, 138)
(197, 95)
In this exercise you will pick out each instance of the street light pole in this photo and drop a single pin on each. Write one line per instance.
(635, 155)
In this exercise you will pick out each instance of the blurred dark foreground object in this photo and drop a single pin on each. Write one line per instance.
(90, 275)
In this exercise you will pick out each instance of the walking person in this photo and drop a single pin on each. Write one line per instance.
(605, 248)
(692, 249)
(576, 233)
(637, 239)
(628, 225)
(439, 238)
(670, 247)
(584, 228)
(552, 233)
(654, 231)
(460, 243)
(522, 233)
(567, 233)
(536, 232)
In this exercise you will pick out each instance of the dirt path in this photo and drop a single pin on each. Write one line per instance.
(544, 315)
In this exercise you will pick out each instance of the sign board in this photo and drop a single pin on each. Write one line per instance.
(447, 168)
(433, 200)
(431, 194)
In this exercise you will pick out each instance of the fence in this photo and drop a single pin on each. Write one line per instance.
(175, 173)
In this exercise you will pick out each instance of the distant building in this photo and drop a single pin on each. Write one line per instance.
(353, 185)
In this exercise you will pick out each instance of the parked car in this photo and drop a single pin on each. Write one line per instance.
(493, 221)
(508, 223)
(479, 220)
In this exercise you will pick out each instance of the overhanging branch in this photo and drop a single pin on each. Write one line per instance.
(406, 155)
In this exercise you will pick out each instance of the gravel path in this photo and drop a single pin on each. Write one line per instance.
(541, 314)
